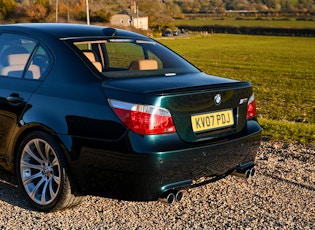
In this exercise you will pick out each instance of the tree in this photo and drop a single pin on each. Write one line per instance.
(273, 5)
(100, 16)
(218, 6)
(6, 7)
(44, 3)
(240, 4)
(156, 10)
(37, 11)
(191, 6)
(173, 9)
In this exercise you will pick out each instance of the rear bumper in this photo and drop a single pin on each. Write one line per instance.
(151, 167)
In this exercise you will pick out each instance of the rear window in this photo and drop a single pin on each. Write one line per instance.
(121, 57)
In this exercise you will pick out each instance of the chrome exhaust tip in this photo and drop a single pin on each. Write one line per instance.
(245, 171)
(252, 172)
(179, 196)
(247, 174)
(168, 198)
(171, 196)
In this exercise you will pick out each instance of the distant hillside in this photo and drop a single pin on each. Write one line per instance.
(193, 6)
(161, 12)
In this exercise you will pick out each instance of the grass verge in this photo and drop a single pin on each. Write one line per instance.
(288, 131)
(281, 70)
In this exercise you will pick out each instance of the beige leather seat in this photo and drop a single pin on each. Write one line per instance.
(16, 65)
(91, 56)
(146, 64)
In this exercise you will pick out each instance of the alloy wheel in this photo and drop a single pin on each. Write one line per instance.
(40, 171)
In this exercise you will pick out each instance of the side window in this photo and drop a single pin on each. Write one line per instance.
(41, 59)
(22, 57)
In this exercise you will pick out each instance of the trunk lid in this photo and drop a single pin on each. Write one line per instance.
(203, 107)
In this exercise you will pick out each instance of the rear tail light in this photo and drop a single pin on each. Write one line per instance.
(144, 119)
(251, 108)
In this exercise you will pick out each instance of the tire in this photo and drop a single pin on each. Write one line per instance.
(42, 174)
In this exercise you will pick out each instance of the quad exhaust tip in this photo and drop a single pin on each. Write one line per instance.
(171, 196)
(245, 171)
(247, 174)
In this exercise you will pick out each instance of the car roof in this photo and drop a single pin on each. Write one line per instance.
(68, 30)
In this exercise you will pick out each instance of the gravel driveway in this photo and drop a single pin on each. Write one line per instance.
(281, 196)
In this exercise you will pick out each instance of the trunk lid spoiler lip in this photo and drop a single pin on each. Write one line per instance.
(162, 85)
(214, 87)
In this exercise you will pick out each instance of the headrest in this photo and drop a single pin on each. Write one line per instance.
(147, 64)
(18, 59)
(9, 51)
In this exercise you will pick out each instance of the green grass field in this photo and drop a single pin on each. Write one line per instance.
(281, 69)
(268, 22)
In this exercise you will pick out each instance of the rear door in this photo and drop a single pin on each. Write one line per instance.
(23, 63)
(14, 94)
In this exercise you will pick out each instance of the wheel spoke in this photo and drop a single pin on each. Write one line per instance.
(39, 150)
(43, 196)
(47, 151)
(55, 162)
(29, 179)
(33, 193)
(56, 179)
(51, 189)
(28, 165)
(30, 152)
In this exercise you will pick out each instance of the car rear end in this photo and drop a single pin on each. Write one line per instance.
(182, 126)
(180, 136)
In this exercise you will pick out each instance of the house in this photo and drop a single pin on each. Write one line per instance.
(131, 17)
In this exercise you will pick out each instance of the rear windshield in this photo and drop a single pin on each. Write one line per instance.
(124, 57)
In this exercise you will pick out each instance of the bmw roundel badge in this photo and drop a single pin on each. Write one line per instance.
(217, 99)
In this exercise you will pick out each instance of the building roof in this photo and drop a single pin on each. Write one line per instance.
(132, 13)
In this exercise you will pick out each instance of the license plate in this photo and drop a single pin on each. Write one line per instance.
(210, 121)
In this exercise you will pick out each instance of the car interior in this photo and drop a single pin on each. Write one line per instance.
(146, 64)
(16, 66)
(91, 56)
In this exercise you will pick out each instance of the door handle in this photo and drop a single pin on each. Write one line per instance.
(15, 99)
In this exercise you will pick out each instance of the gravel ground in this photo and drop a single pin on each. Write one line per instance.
(281, 196)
